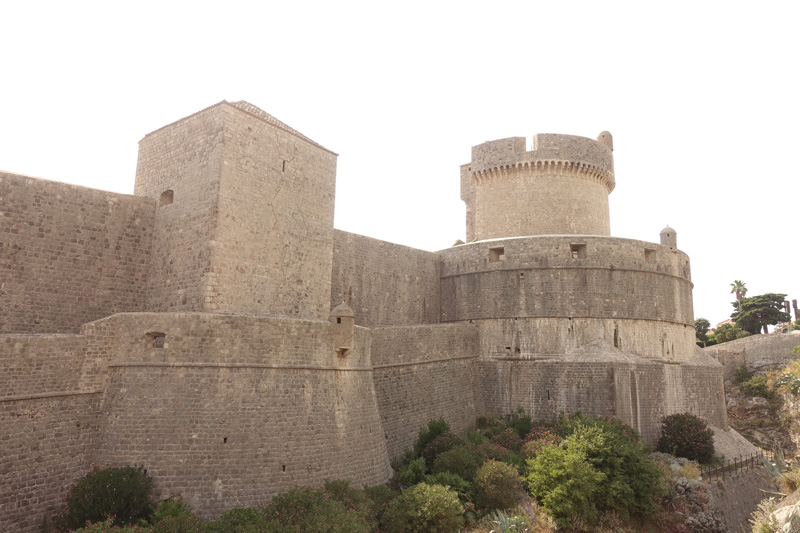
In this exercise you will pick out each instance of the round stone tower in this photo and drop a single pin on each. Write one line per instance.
(559, 187)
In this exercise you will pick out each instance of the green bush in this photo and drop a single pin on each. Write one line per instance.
(497, 486)
(600, 467)
(632, 481)
(313, 511)
(756, 386)
(509, 439)
(462, 460)
(353, 499)
(122, 493)
(742, 374)
(408, 475)
(429, 433)
(685, 435)
(243, 519)
(167, 509)
(442, 443)
(538, 440)
(178, 524)
(520, 421)
(565, 484)
(425, 509)
(108, 525)
(380, 497)
(454, 482)
(495, 452)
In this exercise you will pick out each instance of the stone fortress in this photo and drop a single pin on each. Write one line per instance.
(215, 328)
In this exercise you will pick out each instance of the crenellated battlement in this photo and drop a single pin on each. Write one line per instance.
(559, 186)
(547, 166)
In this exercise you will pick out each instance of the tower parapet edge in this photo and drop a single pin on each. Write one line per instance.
(560, 186)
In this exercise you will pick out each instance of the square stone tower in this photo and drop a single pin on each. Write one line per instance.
(245, 216)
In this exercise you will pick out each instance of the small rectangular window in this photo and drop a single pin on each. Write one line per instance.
(496, 254)
(578, 251)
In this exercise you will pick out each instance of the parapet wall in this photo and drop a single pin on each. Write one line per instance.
(384, 283)
(547, 294)
(69, 254)
(423, 373)
(756, 352)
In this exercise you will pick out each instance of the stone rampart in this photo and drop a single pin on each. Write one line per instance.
(423, 373)
(47, 443)
(384, 283)
(235, 409)
(69, 254)
(756, 352)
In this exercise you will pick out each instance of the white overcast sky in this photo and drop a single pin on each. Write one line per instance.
(702, 98)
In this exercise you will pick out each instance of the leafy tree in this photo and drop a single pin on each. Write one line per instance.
(756, 313)
(729, 332)
(738, 288)
(701, 327)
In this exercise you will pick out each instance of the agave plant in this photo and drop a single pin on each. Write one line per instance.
(502, 523)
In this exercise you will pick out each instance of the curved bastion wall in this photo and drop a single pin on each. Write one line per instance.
(549, 294)
(560, 186)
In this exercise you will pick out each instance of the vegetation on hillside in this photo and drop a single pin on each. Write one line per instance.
(509, 474)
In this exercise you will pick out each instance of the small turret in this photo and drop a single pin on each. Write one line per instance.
(669, 238)
(606, 138)
(344, 328)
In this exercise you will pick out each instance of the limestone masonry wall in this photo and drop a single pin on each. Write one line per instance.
(69, 254)
(756, 352)
(273, 241)
(47, 443)
(384, 283)
(235, 409)
(423, 373)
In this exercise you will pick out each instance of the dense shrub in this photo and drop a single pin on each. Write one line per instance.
(425, 509)
(429, 433)
(168, 508)
(442, 443)
(564, 482)
(353, 499)
(685, 435)
(494, 452)
(178, 524)
(520, 422)
(462, 460)
(454, 482)
(380, 497)
(756, 386)
(487, 421)
(538, 439)
(314, 511)
(122, 493)
(600, 467)
(410, 474)
(108, 525)
(497, 486)
(742, 374)
(509, 439)
(242, 519)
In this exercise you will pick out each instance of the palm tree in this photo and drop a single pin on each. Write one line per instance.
(738, 288)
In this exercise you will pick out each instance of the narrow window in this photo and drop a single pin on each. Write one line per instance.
(496, 254)
(578, 251)
(616, 338)
(284, 166)
(167, 197)
(155, 339)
